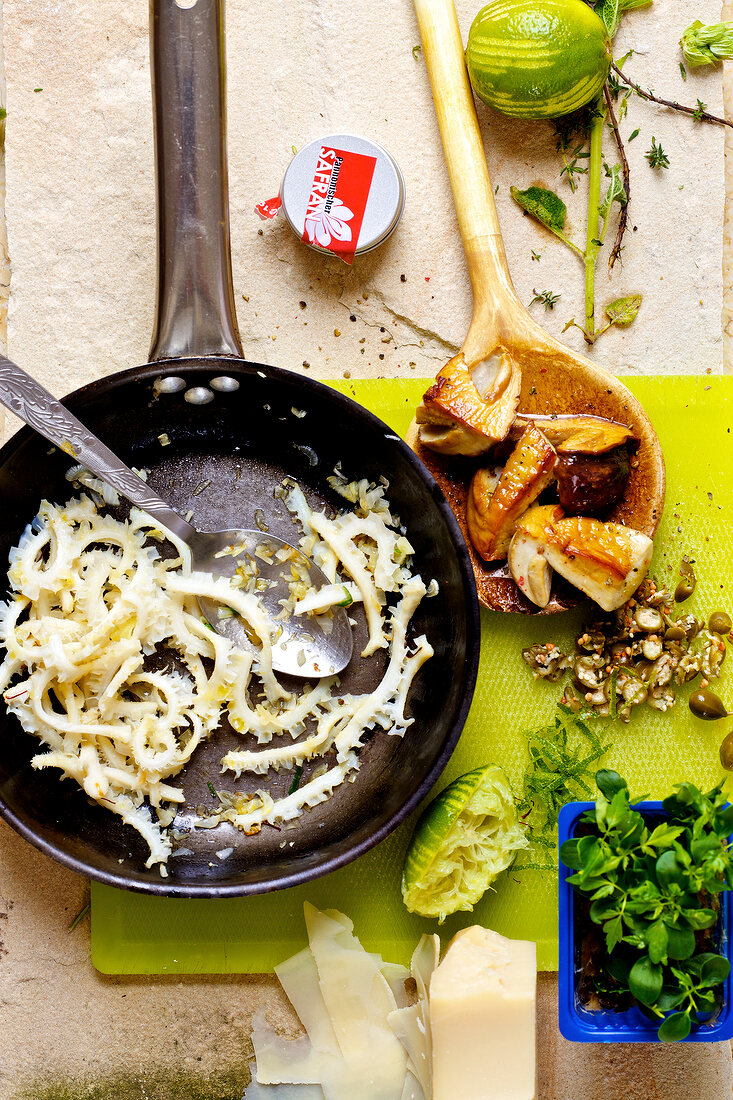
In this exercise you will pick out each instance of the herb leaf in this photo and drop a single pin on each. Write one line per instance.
(547, 207)
(623, 311)
(611, 11)
(645, 980)
(657, 939)
(675, 1027)
(296, 779)
(609, 782)
(615, 192)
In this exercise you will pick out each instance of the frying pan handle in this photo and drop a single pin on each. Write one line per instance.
(40, 410)
(195, 313)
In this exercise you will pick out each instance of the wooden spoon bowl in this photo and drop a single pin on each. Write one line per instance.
(555, 380)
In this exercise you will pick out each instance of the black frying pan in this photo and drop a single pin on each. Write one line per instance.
(238, 443)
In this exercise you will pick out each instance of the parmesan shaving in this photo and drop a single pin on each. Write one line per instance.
(92, 600)
(344, 1000)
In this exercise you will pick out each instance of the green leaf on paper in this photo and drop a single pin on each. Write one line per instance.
(623, 311)
(547, 207)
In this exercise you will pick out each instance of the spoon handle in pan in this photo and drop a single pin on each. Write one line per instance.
(469, 174)
(25, 397)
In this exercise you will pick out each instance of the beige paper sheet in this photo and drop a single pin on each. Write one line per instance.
(81, 195)
(81, 227)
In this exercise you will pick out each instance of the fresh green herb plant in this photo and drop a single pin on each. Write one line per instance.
(654, 890)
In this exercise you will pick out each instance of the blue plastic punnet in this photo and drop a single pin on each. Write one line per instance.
(585, 1025)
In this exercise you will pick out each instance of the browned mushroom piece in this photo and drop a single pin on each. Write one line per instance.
(582, 434)
(606, 561)
(526, 556)
(592, 485)
(493, 507)
(466, 412)
(592, 469)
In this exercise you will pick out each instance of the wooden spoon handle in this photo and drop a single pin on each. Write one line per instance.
(469, 175)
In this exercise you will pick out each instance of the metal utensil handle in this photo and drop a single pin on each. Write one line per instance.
(195, 313)
(25, 397)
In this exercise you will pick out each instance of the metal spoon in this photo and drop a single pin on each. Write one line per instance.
(302, 647)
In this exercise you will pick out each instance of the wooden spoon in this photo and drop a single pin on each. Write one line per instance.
(555, 380)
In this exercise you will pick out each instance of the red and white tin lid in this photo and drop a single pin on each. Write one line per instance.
(343, 194)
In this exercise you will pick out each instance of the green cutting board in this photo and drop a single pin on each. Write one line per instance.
(138, 934)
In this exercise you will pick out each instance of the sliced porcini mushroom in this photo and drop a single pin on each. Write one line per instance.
(527, 558)
(577, 434)
(529, 567)
(494, 508)
(606, 561)
(592, 466)
(467, 411)
(592, 484)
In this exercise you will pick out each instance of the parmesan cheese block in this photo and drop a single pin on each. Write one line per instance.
(482, 1018)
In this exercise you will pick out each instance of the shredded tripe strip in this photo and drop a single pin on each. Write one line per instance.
(92, 601)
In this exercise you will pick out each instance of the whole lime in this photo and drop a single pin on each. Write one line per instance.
(537, 58)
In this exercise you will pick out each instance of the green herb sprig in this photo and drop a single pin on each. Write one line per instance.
(653, 889)
(656, 155)
(546, 298)
(579, 139)
(562, 759)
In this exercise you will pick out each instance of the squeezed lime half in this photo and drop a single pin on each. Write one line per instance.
(467, 836)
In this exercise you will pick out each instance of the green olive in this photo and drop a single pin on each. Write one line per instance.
(674, 633)
(726, 752)
(720, 622)
(705, 704)
(686, 586)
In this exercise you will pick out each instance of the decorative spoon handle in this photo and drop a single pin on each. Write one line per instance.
(25, 397)
(469, 175)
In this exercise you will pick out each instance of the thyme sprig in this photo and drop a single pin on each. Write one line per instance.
(546, 297)
(700, 116)
(656, 155)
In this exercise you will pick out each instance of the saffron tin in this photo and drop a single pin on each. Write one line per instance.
(585, 1025)
(343, 194)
